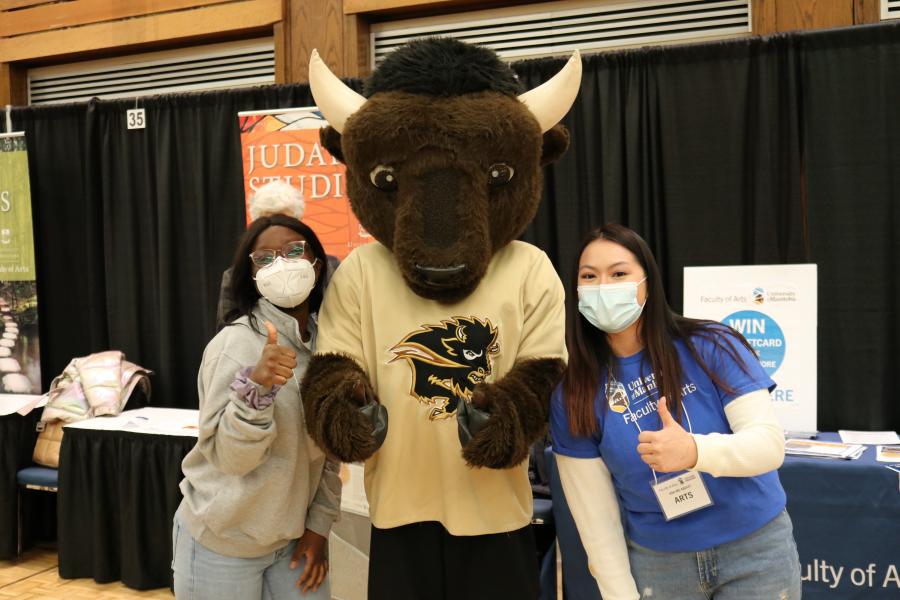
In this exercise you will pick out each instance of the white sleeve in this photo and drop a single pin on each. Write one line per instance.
(592, 500)
(755, 447)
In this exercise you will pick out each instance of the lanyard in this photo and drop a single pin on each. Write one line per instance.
(610, 381)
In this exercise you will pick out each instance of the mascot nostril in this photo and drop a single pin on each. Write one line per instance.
(455, 328)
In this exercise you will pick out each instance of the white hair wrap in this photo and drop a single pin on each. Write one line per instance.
(277, 198)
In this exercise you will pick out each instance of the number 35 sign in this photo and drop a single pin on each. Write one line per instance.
(136, 119)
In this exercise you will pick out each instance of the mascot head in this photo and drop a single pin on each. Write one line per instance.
(444, 157)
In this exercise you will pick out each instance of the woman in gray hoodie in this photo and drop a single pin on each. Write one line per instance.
(259, 496)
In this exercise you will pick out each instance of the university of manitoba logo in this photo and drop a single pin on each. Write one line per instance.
(616, 396)
(759, 295)
(447, 361)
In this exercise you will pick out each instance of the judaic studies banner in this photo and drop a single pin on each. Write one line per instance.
(284, 144)
(775, 308)
(20, 368)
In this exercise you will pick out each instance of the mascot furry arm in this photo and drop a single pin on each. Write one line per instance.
(444, 163)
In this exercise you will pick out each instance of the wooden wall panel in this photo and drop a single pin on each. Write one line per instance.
(368, 6)
(764, 17)
(424, 7)
(777, 16)
(13, 85)
(866, 11)
(8, 4)
(316, 24)
(233, 17)
(356, 46)
(813, 14)
(282, 55)
(84, 12)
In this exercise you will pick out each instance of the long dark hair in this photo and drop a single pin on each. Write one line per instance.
(243, 289)
(660, 326)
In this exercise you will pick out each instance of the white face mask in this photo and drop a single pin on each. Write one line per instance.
(611, 307)
(286, 283)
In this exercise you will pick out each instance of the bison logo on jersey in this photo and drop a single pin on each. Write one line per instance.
(447, 361)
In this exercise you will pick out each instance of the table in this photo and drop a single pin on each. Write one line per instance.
(17, 437)
(846, 517)
(118, 492)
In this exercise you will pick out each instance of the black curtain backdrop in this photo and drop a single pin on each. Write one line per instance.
(755, 151)
(851, 91)
(697, 148)
(133, 228)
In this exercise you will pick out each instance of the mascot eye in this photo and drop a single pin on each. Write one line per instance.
(383, 178)
(500, 174)
(470, 355)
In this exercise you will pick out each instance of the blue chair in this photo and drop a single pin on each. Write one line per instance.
(34, 478)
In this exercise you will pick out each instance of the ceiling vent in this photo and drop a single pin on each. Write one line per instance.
(217, 66)
(552, 28)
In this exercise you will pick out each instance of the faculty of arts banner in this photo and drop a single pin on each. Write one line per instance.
(20, 368)
(774, 307)
(284, 144)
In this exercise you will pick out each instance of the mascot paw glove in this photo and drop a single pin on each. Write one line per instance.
(489, 429)
(343, 415)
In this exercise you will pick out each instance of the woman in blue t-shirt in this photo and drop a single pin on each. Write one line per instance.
(666, 422)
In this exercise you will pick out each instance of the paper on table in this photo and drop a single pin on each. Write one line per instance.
(167, 421)
(889, 454)
(36, 402)
(20, 403)
(869, 437)
(823, 449)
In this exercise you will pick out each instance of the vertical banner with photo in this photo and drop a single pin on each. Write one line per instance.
(775, 308)
(20, 367)
(284, 144)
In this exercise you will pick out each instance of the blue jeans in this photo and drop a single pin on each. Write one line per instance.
(760, 566)
(202, 574)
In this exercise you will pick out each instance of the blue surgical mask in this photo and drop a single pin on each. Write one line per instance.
(611, 307)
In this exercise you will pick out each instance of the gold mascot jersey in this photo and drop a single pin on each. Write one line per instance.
(423, 358)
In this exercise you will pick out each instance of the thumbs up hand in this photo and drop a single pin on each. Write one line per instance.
(669, 449)
(276, 365)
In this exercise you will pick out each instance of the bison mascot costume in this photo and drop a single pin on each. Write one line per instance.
(440, 344)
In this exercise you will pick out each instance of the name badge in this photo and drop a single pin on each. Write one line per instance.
(681, 494)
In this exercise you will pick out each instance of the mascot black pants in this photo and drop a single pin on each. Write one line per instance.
(422, 561)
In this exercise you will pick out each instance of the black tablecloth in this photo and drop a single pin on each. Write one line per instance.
(17, 437)
(118, 492)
